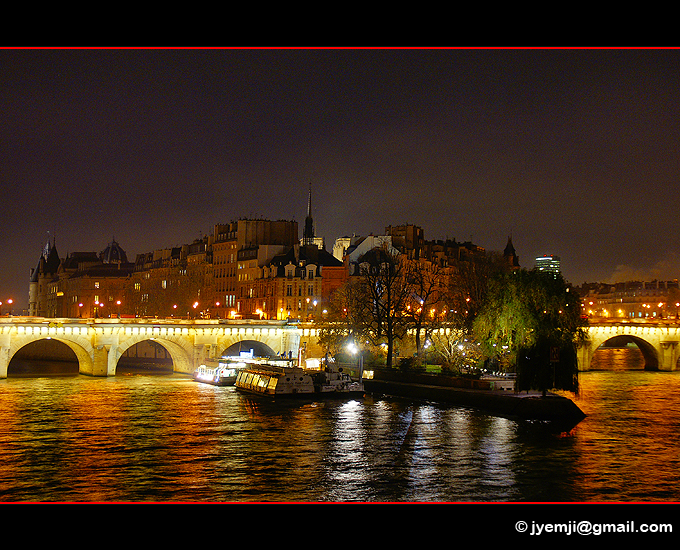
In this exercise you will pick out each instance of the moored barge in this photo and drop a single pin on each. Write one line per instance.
(294, 381)
(275, 381)
(331, 381)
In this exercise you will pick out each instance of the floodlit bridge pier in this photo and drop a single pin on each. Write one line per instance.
(99, 343)
(658, 340)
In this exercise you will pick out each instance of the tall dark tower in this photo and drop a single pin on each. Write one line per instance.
(308, 233)
(510, 255)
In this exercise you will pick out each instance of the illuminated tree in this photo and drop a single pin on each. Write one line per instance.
(459, 351)
(532, 320)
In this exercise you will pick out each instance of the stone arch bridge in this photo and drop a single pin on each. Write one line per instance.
(99, 343)
(658, 340)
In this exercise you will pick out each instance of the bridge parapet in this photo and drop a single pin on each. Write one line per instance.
(642, 321)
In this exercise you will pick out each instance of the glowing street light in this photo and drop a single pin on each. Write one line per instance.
(353, 348)
(9, 302)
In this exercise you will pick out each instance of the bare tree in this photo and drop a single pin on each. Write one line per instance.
(345, 318)
(384, 291)
(426, 304)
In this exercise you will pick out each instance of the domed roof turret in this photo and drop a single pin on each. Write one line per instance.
(113, 254)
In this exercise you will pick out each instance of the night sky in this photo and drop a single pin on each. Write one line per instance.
(572, 152)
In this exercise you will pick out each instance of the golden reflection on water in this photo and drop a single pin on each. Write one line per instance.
(157, 438)
(12, 423)
(627, 444)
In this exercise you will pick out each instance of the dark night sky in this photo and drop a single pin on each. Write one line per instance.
(573, 152)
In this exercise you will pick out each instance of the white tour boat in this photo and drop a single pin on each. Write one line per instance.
(218, 372)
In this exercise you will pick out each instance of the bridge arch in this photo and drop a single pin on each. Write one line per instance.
(179, 349)
(81, 347)
(647, 349)
(259, 348)
(659, 343)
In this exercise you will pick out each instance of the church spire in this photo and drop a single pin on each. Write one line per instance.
(308, 233)
(309, 202)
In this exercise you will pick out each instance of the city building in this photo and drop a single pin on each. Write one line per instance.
(548, 263)
(289, 282)
(295, 284)
(84, 284)
(225, 266)
(173, 282)
(631, 300)
(449, 252)
(249, 268)
(362, 246)
(342, 244)
(407, 239)
(210, 277)
(309, 236)
(410, 241)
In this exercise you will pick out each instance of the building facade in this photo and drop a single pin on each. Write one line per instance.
(173, 282)
(631, 300)
(249, 268)
(296, 284)
(84, 284)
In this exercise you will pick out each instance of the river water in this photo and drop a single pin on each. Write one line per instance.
(164, 437)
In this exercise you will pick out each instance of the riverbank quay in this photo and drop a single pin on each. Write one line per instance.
(477, 394)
